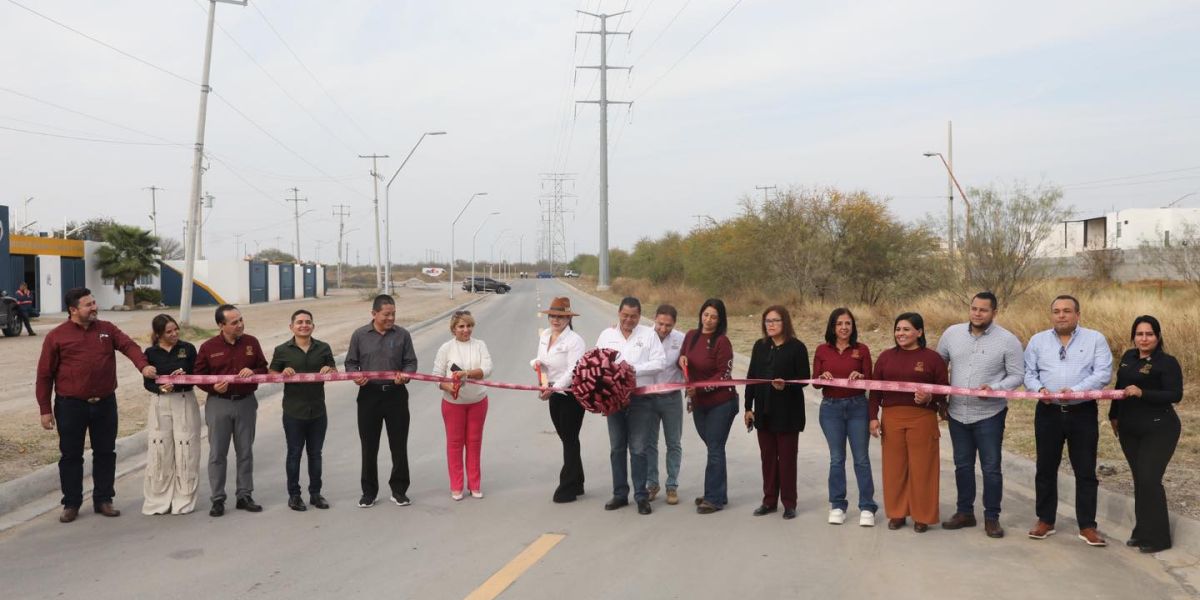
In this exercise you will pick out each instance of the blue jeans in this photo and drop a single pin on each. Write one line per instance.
(842, 419)
(713, 424)
(985, 438)
(304, 435)
(668, 409)
(628, 434)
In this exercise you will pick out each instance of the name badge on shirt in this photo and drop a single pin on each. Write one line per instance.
(920, 368)
(218, 354)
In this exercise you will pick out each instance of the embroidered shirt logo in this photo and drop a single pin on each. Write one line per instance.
(855, 354)
(920, 368)
(249, 351)
(1145, 370)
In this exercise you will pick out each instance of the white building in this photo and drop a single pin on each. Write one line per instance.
(1124, 229)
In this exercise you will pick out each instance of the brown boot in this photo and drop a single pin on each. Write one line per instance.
(959, 520)
(992, 528)
(69, 513)
(107, 509)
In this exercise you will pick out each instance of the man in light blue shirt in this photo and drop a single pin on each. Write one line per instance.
(1067, 358)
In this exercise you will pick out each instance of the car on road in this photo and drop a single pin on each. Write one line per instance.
(571, 273)
(545, 275)
(487, 284)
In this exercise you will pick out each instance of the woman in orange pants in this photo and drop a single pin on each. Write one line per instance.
(911, 464)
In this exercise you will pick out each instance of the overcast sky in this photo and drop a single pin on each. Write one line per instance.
(1098, 96)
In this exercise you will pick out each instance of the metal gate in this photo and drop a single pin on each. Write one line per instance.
(287, 282)
(72, 274)
(258, 282)
(310, 281)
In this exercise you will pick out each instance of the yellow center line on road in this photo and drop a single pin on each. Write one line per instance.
(500, 580)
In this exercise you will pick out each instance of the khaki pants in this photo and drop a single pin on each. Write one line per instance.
(911, 464)
(172, 454)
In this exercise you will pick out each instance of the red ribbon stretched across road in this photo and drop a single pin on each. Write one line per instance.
(859, 384)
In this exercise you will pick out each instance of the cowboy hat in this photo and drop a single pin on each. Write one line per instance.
(560, 307)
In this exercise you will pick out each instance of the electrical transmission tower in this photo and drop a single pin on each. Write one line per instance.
(603, 103)
(552, 238)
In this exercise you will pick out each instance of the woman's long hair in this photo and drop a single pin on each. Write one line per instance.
(1153, 325)
(785, 316)
(831, 327)
(159, 326)
(722, 322)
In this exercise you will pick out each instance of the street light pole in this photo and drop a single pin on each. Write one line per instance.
(189, 245)
(966, 201)
(387, 210)
(485, 220)
(452, 224)
(499, 237)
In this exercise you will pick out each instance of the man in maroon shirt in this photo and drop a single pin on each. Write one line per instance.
(79, 366)
(231, 409)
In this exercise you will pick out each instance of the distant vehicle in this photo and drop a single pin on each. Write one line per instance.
(545, 275)
(487, 284)
(8, 315)
(571, 273)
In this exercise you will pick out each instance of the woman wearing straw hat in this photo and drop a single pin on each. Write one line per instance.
(559, 348)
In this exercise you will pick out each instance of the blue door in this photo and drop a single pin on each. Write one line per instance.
(72, 273)
(310, 281)
(258, 282)
(287, 282)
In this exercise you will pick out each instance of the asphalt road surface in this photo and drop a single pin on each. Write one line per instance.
(438, 548)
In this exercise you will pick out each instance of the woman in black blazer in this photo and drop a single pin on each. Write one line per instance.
(776, 409)
(1148, 428)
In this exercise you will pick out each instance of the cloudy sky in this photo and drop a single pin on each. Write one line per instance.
(1100, 97)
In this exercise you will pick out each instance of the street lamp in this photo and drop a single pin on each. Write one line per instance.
(966, 202)
(387, 212)
(485, 220)
(498, 239)
(452, 224)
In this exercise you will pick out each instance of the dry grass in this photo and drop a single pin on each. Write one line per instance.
(1107, 308)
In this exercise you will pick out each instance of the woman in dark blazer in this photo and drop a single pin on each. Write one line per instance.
(1148, 428)
(776, 409)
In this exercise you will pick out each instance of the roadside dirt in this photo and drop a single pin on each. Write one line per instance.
(25, 446)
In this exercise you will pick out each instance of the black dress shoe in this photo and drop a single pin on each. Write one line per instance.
(1151, 549)
(318, 501)
(247, 504)
(1135, 543)
(561, 497)
(643, 507)
(895, 524)
(789, 513)
(218, 508)
(295, 503)
(920, 527)
(616, 502)
(764, 510)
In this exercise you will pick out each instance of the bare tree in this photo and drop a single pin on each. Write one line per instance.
(1001, 248)
(170, 248)
(1178, 258)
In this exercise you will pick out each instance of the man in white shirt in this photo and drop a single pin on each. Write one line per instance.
(628, 429)
(666, 408)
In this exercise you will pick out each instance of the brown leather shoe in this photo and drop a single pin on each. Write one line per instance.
(920, 527)
(1041, 531)
(69, 513)
(992, 528)
(652, 492)
(1092, 537)
(959, 520)
(107, 510)
(895, 524)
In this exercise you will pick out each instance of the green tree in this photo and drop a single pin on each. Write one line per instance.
(91, 230)
(273, 255)
(128, 254)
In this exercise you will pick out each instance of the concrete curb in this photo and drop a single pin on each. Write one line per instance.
(29, 496)
(1114, 510)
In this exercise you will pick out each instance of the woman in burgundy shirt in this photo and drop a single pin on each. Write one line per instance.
(909, 426)
(708, 355)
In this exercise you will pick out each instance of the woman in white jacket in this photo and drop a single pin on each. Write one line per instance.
(464, 406)
(558, 350)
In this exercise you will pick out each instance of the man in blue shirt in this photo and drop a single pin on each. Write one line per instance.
(1067, 358)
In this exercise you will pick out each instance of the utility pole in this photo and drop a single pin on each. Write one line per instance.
(153, 207)
(341, 212)
(764, 189)
(200, 221)
(189, 244)
(950, 180)
(603, 103)
(237, 243)
(375, 177)
(296, 200)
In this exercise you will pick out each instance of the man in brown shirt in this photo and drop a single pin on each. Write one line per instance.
(79, 366)
(231, 409)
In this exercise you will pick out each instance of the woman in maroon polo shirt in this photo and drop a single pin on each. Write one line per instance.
(708, 355)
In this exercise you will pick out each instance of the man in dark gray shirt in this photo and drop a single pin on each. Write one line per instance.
(382, 346)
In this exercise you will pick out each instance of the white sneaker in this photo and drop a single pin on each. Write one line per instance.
(837, 516)
(866, 519)
(456, 496)
(477, 493)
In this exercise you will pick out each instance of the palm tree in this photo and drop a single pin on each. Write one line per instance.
(129, 253)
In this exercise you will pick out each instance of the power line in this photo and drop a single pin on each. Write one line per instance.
(311, 74)
(1151, 174)
(83, 114)
(690, 50)
(87, 139)
(660, 35)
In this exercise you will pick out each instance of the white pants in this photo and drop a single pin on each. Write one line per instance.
(172, 454)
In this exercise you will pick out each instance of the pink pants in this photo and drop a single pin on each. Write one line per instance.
(464, 428)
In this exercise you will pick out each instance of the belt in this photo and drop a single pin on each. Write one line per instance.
(232, 396)
(1073, 408)
(383, 387)
(92, 400)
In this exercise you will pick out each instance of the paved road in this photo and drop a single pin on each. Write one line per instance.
(438, 548)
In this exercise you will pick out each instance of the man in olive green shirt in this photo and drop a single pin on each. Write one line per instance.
(304, 418)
